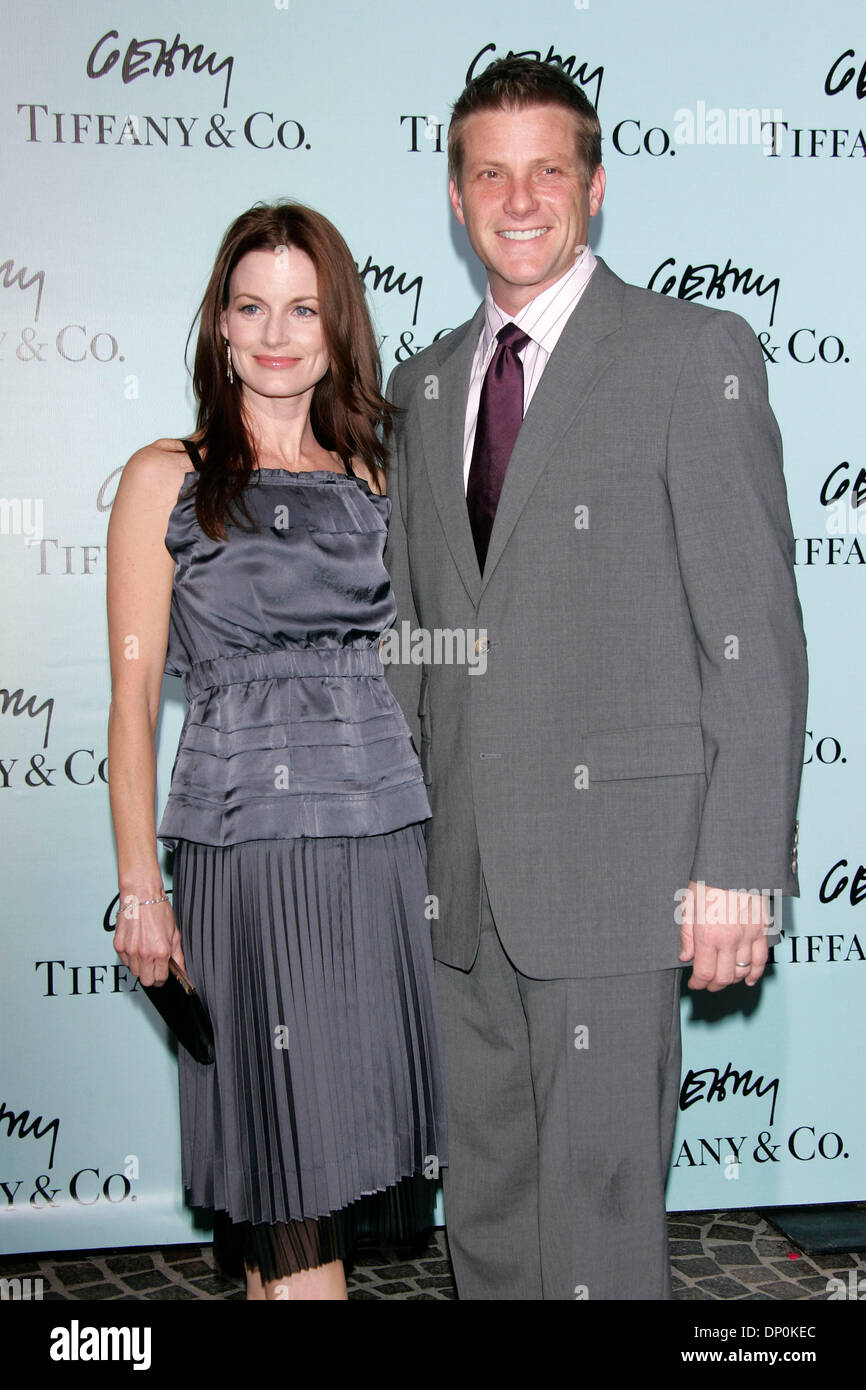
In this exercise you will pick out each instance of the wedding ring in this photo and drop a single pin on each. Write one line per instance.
(743, 964)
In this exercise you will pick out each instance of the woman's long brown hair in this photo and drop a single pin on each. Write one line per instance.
(348, 413)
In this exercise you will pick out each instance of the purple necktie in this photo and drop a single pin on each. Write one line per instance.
(500, 414)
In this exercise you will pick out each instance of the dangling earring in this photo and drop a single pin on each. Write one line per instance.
(229, 373)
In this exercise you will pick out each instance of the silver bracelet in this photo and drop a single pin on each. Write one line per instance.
(146, 902)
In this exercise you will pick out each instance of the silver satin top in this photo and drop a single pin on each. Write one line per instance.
(291, 728)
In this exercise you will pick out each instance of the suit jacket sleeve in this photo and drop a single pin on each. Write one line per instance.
(735, 548)
(404, 678)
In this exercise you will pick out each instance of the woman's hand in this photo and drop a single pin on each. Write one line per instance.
(145, 937)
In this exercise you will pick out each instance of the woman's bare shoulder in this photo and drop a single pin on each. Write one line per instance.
(158, 469)
(151, 482)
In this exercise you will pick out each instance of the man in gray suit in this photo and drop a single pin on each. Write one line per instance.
(596, 492)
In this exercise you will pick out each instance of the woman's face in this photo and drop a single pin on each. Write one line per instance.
(273, 325)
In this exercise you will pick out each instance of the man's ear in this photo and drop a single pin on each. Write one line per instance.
(456, 202)
(597, 185)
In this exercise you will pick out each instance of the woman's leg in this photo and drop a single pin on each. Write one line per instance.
(324, 1282)
(255, 1287)
(296, 1259)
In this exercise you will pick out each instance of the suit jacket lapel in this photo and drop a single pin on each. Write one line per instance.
(443, 420)
(575, 366)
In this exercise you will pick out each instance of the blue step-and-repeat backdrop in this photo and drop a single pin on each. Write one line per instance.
(131, 134)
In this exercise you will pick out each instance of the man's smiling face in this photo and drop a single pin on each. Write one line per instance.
(524, 200)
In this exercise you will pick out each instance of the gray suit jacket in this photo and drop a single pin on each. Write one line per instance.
(640, 721)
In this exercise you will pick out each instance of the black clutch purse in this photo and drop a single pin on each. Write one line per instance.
(177, 1002)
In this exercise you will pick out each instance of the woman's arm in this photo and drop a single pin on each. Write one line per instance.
(140, 572)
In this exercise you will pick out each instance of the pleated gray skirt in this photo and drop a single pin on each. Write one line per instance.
(325, 1103)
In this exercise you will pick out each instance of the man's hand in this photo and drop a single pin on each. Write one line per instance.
(728, 942)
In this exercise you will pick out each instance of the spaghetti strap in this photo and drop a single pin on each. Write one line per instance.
(194, 455)
(358, 479)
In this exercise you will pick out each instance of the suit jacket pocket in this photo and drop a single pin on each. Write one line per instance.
(656, 750)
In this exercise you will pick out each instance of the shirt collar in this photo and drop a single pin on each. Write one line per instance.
(542, 312)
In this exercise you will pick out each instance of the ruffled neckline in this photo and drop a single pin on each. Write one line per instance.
(320, 474)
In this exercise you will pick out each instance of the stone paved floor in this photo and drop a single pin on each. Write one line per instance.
(716, 1256)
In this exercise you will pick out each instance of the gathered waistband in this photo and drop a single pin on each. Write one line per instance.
(302, 661)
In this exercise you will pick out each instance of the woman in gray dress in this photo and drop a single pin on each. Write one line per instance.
(248, 561)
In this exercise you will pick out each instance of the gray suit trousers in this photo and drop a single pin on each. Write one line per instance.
(562, 1099)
